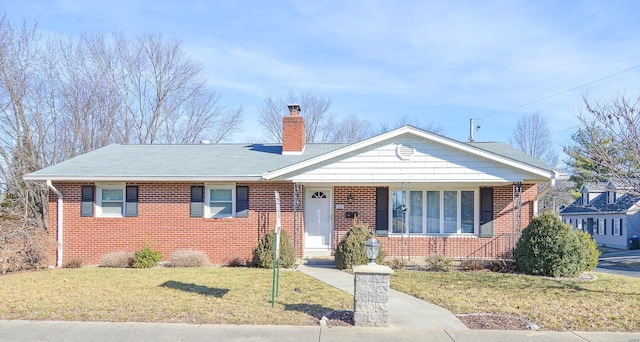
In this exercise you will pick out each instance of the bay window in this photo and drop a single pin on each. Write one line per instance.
(434, 211)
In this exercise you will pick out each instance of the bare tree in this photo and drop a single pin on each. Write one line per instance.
(60, 97)
(319, 123)
(532, 136)
(612, 150)
(352, 129)
(405, 120)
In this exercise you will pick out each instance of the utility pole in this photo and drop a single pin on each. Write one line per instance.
(472, 128)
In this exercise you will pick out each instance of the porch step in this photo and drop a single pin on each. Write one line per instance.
(323, 262)
(314, 253)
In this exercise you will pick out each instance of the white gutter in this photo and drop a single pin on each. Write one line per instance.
(60, 226)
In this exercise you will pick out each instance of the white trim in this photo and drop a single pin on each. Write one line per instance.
(547, 174)
(60, 224)
(146, 178)
(207, 198)
(110, 185)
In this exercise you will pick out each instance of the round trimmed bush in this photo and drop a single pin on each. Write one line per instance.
(351, 250)
(550, 248)
(263, 254)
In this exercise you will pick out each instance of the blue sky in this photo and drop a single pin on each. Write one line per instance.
(440, 61)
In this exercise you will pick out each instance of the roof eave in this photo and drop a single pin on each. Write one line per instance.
(142, 178)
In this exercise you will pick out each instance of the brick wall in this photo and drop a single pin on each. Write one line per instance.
(164, 222)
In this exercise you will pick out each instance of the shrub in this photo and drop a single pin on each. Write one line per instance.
(117, 259)
(550, 248)
(438, 263)
(590, 250)
(188, 258)
(237, 262)
(351, 250)
(146, 257)
(472, 265)
(23, 244)
(396, 263)
(263, 254)
(73, 263)
(502, 266)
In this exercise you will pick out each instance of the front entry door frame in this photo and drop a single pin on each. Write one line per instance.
(311, 214)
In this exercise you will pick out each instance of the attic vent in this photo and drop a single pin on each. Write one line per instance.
(405, 151)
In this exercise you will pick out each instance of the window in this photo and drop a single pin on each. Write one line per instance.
(585, 198)
(116, 200)
(579, 224)
(595, 227)
(220, 200)
(434, 212)
(617, 223)
(111, 201)
(600, 226)
(398, 208)
(611, 197)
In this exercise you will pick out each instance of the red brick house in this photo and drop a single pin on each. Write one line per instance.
(422, 193)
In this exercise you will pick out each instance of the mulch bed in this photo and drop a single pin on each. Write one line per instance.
(496, 322)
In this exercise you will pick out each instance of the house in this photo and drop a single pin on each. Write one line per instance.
(421, 192)
(608, 212)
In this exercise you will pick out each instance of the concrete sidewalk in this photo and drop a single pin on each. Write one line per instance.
(105, 331)
(404, 311)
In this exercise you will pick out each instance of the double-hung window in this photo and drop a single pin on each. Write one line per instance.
(433, 211)
(110, 200)
(617, 223)
(220, 200)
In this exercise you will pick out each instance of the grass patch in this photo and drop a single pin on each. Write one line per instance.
(189, 295)
(611, 303)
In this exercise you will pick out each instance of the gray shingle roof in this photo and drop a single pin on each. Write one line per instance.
(217, 161)
(599, 205)
(508, 151)
(205, 160)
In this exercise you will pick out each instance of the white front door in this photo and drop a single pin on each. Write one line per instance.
(317, 222)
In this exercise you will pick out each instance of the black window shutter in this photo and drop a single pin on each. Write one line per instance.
(197, 200)
(242, 201)
(131, 208)
(382, 211)
(486, 212)
(86, 208)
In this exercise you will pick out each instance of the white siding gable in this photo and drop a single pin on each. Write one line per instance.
(431, 162)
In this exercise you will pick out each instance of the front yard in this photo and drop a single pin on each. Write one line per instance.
(243, 296)
(190, 295)
(610, 303)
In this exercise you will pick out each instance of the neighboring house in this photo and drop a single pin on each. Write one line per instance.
(607, 212)
(422, 193)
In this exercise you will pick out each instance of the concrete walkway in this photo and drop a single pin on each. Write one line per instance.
(12, 331)
(404, 311)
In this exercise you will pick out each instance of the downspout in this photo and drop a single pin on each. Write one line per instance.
(541, 194)
(60, 225)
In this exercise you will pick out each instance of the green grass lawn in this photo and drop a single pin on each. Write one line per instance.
(191, 295)
(610, 303)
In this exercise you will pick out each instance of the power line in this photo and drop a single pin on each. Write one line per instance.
(564, 92)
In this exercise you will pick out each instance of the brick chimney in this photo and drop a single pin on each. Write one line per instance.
(293, 131)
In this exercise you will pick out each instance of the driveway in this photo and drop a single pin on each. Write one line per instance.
(626, 263)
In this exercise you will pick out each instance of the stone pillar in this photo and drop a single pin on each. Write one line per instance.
(371, 295)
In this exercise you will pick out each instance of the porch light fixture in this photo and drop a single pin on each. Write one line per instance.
(350, 198)
(373, 248)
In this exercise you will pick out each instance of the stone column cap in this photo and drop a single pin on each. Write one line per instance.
(378, 269)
